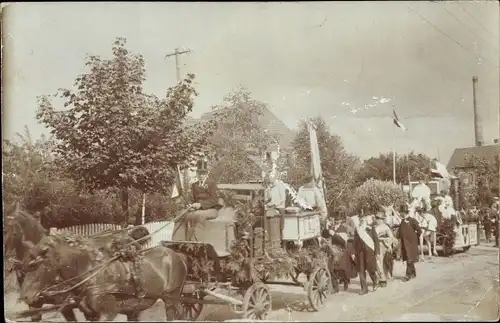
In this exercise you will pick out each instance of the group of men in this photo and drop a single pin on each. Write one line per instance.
(373, 245)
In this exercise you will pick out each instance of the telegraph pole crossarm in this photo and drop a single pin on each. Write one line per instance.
(176, 53)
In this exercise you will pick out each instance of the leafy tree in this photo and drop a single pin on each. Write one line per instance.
(413, 165)
(25, 166)
(112, 134)
(239, 141)
(372, 194)
(337, 165)
(485, 186)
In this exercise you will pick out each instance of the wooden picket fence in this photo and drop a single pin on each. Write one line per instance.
(164, 234)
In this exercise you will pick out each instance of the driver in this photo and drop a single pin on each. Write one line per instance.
(205, 202)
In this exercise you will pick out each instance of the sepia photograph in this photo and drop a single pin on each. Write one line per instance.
(293, 161)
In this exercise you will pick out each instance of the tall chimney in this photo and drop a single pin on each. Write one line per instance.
(478, 123)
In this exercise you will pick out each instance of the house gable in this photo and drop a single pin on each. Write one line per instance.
(459, 156)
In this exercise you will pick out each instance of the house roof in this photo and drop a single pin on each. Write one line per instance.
(268, 121)
(459, 156)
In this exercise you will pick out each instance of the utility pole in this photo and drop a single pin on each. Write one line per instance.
(176, 53)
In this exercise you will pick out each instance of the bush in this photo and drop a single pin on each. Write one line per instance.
(372, 194)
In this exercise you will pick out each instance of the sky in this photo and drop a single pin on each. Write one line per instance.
(349, 62)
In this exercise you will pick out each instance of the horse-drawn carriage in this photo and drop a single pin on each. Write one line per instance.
(243, 250)
(465, 233)
(230, 259)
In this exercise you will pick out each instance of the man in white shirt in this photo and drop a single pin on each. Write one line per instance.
(275, 193)
(422, 193)
(311, 194)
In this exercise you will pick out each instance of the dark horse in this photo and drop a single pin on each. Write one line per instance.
(101, 282)
(21, 231)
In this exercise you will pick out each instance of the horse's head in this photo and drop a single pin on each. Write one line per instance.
(351, 223)
(392, 217)
(40, 270)
(13, 234)
(20, 226)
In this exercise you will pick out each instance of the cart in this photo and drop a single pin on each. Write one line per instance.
(242, 251)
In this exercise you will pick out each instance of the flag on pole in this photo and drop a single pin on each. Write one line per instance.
(396, 121)
(177, 189)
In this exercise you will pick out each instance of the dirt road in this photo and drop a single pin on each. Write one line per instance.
(462, 287)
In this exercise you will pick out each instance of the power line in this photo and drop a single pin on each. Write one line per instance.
(469, 29)
(448, 36)
(474, 18)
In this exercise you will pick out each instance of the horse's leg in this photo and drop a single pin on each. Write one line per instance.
(428, 241)
(101, 304)
(434, 242)
(37, 317)
(421, 241)
(133, 316)
(68, 313)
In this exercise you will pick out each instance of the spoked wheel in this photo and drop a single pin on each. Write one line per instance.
(319, 286)
(257, 302)
(191, 311)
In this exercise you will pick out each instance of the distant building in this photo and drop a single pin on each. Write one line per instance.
(458, 161)
(459, 166)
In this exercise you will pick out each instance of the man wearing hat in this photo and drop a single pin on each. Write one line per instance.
(204, 207)
(386, 240)
(409, 233)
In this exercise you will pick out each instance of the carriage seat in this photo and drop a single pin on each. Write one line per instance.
(219, 232)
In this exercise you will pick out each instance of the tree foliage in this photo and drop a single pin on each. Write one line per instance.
(239, 140)
(337, 164)
(485, 185)
(374, 193)
(112, 134)
(414, 165)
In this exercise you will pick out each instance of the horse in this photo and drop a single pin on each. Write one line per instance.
(109, 287)
(428, 224)
(21, 231)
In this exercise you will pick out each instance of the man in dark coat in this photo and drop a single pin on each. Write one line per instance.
(409, 233)
(204, 207)
(366, 249)
(487, 226)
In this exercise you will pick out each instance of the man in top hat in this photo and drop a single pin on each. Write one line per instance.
(409, 233)
(205, 203)
(204, 191)
(386, 240)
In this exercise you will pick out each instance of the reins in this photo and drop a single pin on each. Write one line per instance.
(96, 270)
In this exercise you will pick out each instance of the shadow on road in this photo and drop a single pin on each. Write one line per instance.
(281, 301)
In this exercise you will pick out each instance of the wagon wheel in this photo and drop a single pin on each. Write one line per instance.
(257, 302)
(318, 288)
(191, 311)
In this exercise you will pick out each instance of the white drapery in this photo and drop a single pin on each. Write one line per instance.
(316, 171)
